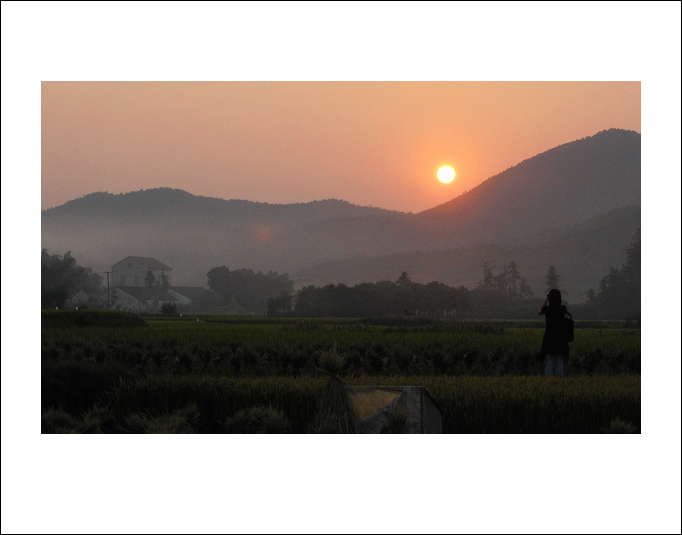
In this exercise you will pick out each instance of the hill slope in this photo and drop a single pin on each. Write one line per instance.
(582, 255)
(189, 232)
(563, 186)
(553, 190)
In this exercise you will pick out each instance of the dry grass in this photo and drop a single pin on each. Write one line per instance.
(620, 426)
(259, 419)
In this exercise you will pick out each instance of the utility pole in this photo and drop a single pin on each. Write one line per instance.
(108, 298)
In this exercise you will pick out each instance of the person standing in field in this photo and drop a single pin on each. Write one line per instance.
(554, 348)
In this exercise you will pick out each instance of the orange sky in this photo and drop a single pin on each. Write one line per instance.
(370, 143)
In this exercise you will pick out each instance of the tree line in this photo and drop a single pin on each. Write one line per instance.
(620, 292)
(497, 295)
(61, 277)
(382, 298)
(246, 291)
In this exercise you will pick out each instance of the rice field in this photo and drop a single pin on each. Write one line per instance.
(196, 373)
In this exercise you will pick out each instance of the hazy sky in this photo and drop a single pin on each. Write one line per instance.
(370, 143)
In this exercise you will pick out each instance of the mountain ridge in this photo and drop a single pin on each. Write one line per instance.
(582, 254)
(553, 190)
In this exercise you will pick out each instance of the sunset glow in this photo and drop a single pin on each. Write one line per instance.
(294, 142)
(446, 174)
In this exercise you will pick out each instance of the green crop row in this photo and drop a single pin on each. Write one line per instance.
(211, 348)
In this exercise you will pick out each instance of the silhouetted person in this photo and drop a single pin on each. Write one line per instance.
(554, 345)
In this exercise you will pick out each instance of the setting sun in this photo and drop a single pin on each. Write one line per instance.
(446, 174)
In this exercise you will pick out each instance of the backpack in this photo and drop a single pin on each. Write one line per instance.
(567, 326)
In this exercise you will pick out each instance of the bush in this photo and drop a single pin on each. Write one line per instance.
(57, 421)
(89, 318)
(181, 421)
(75, 388)
(169, 309)
(258, 419)
(619, 426)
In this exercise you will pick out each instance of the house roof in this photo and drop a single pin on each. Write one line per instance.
(100, 296)
(74, 293)
(191, 292)
(144, 293)
(149, 263)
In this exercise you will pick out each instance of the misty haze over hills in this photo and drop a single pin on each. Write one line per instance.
(575, 206)
(582, 254)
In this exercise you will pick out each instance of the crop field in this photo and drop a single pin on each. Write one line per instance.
(104, 372)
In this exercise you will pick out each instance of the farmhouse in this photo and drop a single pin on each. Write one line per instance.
(138, 271)
(141, 299)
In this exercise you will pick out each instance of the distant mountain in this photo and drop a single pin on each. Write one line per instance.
(564, 186)
(582, 255)
(191, 233)
(167, 204)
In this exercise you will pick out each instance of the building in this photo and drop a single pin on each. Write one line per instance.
(136, 271)
(188, 294)
(142, 300)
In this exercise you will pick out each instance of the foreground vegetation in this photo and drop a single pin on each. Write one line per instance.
(103, 372)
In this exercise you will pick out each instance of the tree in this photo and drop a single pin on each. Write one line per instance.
(632, 269)
(592, 303)
(515, 281)
(501, 281)
(61, 276)
(280, 306)
(511, 284)
(246, 290)
(553, 279)
(487, 281)
(150, 280)
(403, 279)
(619, 295)
(163, 281)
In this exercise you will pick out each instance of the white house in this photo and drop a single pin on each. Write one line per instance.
(135, 270)
(147, 300)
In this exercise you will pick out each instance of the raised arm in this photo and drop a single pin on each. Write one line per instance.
(544, 304)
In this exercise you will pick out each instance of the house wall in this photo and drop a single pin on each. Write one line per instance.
(123, 301)
(152, 307)
(181, 298)
(132, 273)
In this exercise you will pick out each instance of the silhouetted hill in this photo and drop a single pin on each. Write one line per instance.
(192, 233)
(582, 255)
(554, 190)
(162, 204)
(563, 186)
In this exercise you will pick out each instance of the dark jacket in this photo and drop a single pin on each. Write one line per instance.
(554, 341)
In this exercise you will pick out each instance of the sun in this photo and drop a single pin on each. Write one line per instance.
(446, 174)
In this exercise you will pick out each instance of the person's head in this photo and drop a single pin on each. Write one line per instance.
(554, 297)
